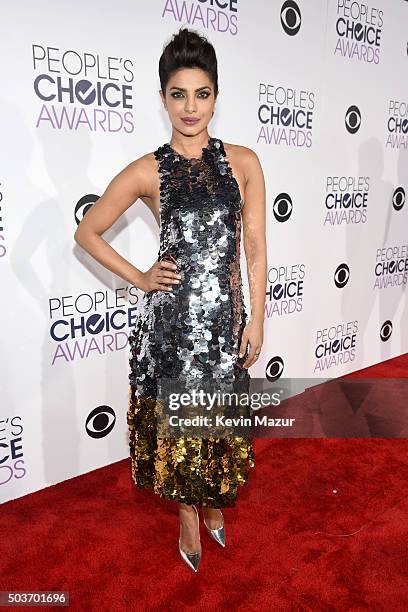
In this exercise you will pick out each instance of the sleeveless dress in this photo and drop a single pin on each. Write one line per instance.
(192, 332)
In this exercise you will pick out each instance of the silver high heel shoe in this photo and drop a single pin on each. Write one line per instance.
(192, 559)
(217, 534)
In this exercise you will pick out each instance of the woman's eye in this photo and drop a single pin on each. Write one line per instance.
(176, 94)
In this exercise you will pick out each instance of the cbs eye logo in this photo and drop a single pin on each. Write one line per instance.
(386, 331)
(83, 205)
(100, 422)
(398, 198)
(274, 369)
(290, 17)
(341, 275)
(353, 119)
(282, 207)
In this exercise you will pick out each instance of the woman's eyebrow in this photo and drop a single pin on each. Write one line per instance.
(198, 88)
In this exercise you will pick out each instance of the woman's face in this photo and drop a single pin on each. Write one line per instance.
(189, 94)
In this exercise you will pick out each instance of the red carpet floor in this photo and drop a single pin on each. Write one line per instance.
(322, 525)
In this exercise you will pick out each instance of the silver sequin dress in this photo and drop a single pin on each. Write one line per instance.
(193, 332)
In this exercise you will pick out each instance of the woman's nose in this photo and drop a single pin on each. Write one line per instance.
(190, 105)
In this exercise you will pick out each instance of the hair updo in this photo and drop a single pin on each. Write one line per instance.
(188, 49)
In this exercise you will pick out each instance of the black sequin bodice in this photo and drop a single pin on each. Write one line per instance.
(195, 330)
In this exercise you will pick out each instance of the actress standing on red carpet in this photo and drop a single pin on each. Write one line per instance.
(193, 325)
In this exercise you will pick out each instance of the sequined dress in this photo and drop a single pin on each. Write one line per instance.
(192, 332)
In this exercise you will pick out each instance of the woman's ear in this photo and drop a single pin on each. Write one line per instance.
(163, 98)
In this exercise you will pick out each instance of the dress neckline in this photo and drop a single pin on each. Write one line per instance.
(209, 146)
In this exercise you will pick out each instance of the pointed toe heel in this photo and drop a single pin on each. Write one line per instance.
(192, 559)
(217, 534)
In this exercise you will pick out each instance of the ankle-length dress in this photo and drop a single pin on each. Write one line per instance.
(192, 332)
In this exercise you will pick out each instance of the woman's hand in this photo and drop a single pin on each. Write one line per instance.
(160, 276)
(252, 335)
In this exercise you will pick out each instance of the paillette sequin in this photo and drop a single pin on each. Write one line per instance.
(192, 332)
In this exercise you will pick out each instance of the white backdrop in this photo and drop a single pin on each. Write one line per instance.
(318, 89)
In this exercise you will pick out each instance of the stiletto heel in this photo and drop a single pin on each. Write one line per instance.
(217, 534)
(192, 559)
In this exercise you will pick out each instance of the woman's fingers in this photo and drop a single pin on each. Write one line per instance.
(161, 276)
(252, 348)
(244, 344)
(252, 355)
(167, 274)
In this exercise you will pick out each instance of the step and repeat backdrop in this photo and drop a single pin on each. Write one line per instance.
(319, 89)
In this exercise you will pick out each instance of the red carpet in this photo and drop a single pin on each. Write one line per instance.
(322, 525)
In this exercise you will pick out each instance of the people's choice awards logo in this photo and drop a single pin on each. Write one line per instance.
(12, 464)
(217, 15)
(81, 90)
(391, 266)
(397, 125)
(95, 323)
(335, 345)
(3, 249)
(358, 29)
(346, 200)
(285, 290)
(285, 115)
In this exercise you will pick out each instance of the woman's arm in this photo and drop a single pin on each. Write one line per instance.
(253, 216)
(124, 189)
(131, 183)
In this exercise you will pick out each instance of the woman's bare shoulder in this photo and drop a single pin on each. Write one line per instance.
(237, 149)
(240, 153)
(143, 163)
(143, 171)
(244, 157)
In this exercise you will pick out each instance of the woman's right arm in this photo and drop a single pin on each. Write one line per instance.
(131, 183)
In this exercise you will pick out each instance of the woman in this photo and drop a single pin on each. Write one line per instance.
(193, 325)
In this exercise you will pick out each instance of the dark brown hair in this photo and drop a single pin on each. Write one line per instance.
(188, 49)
